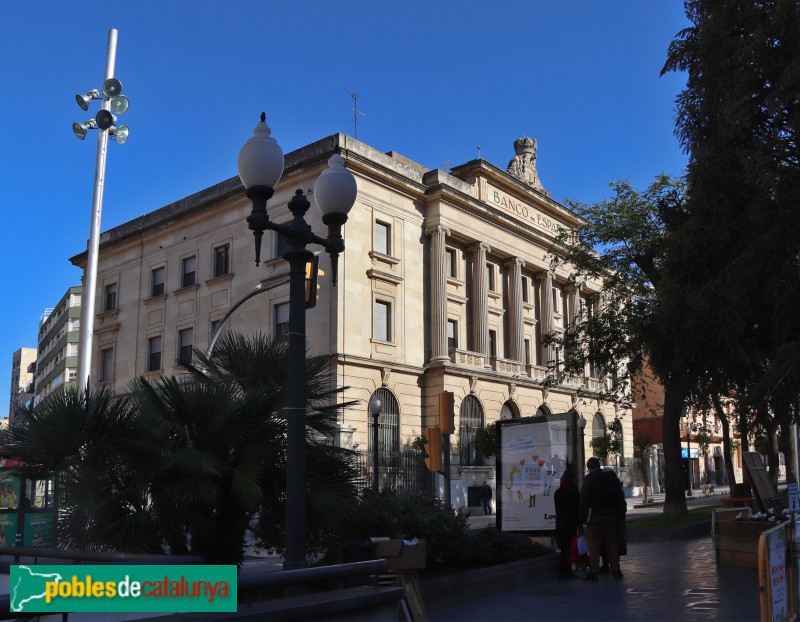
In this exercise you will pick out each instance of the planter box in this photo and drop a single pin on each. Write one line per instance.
(737, 541)
(401, 556)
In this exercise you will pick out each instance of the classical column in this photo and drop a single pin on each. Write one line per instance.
(574, 293)
(516, 334)
(546, 290)
(438, 293)
(480, 294)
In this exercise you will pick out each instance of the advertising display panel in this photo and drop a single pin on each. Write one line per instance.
(533, 454)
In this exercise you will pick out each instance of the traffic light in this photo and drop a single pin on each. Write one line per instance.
(312, 271)
(447, 412)
(434, 449)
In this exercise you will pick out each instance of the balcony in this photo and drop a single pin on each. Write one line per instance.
(504, 366)
(465, 358)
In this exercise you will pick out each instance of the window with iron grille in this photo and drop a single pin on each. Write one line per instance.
(470, 420)
(388, 425)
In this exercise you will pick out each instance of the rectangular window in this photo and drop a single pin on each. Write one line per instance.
(110, 298)
(527, 351)
(383, 328)
(154, 353)
(282, 320)
(106, 364)
(157, 282)
(525, 286)
(556, 300)
(185, 343)
(493, 343)
(281, 245)
(382, 238)
(189, 271)
(222, 260)
(452, 334)
(490, 277)
(450, 265)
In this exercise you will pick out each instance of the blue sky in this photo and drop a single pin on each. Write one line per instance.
(434, 79)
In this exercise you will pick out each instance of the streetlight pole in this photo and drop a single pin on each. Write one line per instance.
(688, 460)
(260, 167)
(375, 410)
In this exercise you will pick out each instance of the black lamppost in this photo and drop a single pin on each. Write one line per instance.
(688, 460)
(582, 457)
(260, 168)
(374, 408)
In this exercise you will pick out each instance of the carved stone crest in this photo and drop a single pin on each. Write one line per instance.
(523, 165)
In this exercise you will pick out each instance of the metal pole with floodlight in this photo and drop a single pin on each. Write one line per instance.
(111, 100)
(260, 167)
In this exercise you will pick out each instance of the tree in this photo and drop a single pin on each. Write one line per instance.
(643, 450)
(736, 244)
(610, 442)
(621, 245)
(486, 439)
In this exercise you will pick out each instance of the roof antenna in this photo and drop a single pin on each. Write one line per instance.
(356, 112)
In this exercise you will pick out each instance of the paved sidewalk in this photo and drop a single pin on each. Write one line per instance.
(664, 580)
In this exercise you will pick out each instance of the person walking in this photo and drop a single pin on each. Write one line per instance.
(600, 499)
(486, 498)
(567, 503)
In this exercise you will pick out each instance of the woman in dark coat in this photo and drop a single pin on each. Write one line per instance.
(567, 501)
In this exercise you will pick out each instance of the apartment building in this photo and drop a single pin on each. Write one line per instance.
(23, 365)
(57, 356)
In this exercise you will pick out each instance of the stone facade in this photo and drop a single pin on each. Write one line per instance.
(444, 286)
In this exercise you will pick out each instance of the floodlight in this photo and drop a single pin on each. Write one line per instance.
(105, 119)
(119, 104)
(120, 134)
(80, 129)
(85, 100)
(112, 87)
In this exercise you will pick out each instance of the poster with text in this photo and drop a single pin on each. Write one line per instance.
(9, 491)
(534, 453)
(8, 529)
(38, 529)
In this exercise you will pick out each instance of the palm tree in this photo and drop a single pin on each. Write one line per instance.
(259, 366)
(643, 448)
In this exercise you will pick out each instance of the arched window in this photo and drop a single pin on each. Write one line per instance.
(598, 425)
(509, 411)
(599, 429)
(470, 419)
(542, 411)
(388, 426)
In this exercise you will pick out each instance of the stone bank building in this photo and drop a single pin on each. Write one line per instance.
(444, 286)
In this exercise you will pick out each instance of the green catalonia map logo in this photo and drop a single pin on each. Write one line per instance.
(129, 588)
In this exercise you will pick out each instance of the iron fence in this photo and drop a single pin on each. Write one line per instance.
(400, 471)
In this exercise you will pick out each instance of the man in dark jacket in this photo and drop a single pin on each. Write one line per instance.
(567, 502)
(599, 503)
